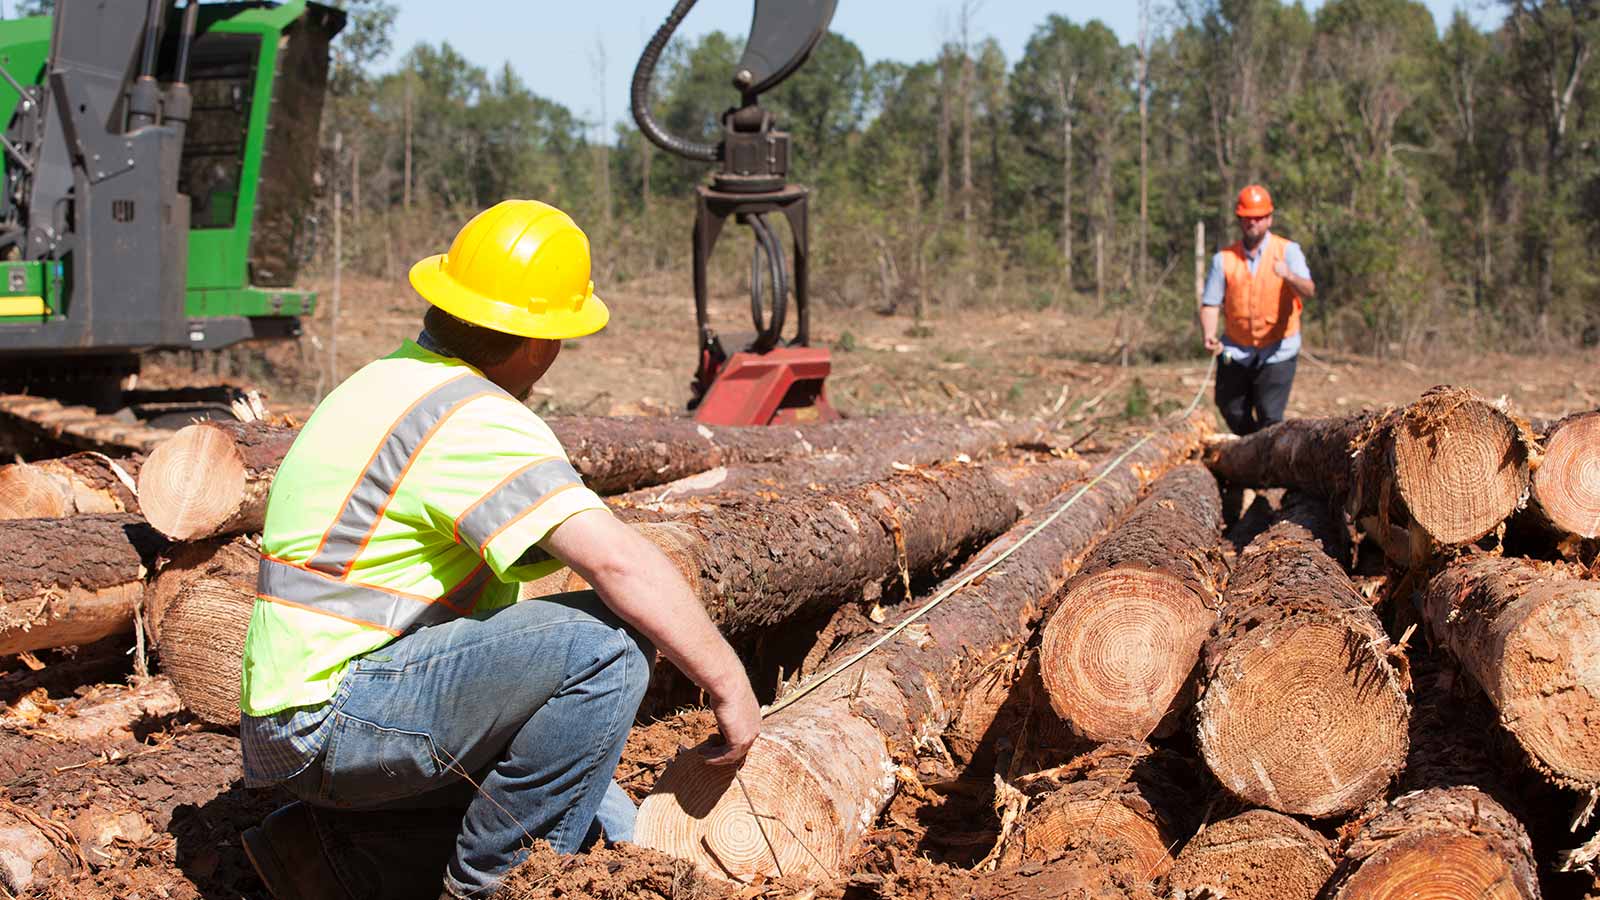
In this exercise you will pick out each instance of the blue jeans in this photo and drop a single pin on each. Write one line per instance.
(517, 716)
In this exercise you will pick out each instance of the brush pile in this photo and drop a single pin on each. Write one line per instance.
(997, 669)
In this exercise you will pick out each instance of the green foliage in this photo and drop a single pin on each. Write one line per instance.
(846, 342)
(1137, 403)
(1437, 190)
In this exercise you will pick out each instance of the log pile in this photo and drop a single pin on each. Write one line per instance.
(1129, 695)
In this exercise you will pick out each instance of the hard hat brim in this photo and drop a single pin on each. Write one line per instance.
(429, 279)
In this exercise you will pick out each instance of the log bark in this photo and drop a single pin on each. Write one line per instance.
(768, 561)
(1567, 482)
(80, 484)
(1302, 706)
(1119, 653)
(1255, 855)
(1439, 843)
(212, 478)
(1125, 800)
(71, 581)
(824, 766)
(1449, 467)
(199, 607)
(100, 816)
(828, 468)
(1528, 633)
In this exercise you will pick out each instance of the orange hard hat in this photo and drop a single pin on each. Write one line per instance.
(1254, 201)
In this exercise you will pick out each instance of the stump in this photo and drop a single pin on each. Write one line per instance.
(1302, 706)
(1528, 633)
(1256, 855)
(1439, 843)
(1120, 650)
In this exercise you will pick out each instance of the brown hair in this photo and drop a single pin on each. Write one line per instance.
(474, 344)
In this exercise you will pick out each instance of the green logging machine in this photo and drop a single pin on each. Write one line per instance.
(159, 165)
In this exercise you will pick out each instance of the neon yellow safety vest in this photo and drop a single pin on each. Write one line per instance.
(416, 493)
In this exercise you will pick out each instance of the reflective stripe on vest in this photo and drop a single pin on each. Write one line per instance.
(1260, 308)
(368, 498)
(392, 611)
(519, 495)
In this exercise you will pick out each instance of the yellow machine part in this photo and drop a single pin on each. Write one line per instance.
(22, 306)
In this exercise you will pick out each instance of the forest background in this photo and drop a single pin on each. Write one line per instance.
(1444, 181)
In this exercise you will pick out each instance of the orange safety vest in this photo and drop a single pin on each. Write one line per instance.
(1259, 309)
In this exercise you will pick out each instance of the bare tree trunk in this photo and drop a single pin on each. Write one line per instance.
(1144, 139)
(1065, 91)
(405, 189)
(944, 134)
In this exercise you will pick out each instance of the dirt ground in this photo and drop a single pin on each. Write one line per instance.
(1049, 364)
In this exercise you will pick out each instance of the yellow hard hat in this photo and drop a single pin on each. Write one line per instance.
(521, 267)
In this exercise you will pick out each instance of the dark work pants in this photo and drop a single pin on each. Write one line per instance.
(1253, 395)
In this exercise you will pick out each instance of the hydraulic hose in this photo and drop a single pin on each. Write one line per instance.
(644, 73)
(768, 248)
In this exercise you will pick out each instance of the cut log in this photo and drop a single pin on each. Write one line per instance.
(71, 581)
(1119, 652)
(1455, 844)
(199, 606)
(1451, 466)
(38, 735)
(1256, 855)
(1567, 482)
(212, 478)
(1124, 800)
(823, 767)
(83, 483)
(825, 469)
(765, 562)
(1528, 633)
(1302, 706)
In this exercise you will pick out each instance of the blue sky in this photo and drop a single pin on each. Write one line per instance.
(555, 47)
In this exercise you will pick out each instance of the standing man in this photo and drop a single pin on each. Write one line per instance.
(389, 668)
(1257, 287)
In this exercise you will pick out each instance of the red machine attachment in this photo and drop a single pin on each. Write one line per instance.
(780, 387)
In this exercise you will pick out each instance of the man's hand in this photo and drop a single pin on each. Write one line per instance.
(738, 721)
(640, 584)
(1280, 269)
(1213, 344)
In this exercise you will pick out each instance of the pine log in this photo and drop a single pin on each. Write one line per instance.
(1119, 653)
(1449, 844)
(199, 606)
(38, 734)
(1255, 855)
(824, 766)
(1302, 706)
(71, 581)
(83, 483)
(103, 815)
(769, 561)
(1125, 800)
(212, 478)
(1567, 482)
(1528, 633)
(1450, 467)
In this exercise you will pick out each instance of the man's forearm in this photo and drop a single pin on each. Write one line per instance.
(1302, 286)
(1208, 321)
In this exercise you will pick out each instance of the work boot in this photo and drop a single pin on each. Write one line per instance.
(310, 853)
(287, 855)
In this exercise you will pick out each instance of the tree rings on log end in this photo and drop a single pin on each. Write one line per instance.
(1567, 482)
(1124, 838)
(1119, 650)
(1304, 717)
(1256, 855)
(769, 817)
(1454, 844)
(1460, 465)
(26, 492)
(192, 482)
(201, 602)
